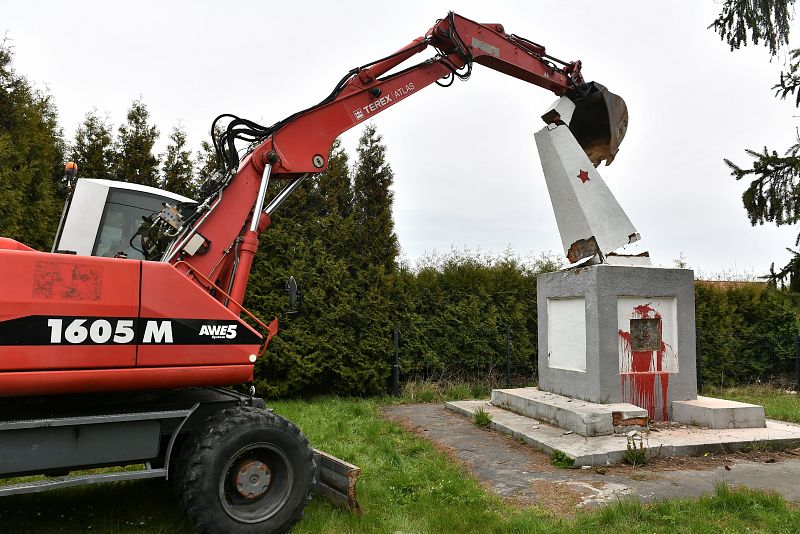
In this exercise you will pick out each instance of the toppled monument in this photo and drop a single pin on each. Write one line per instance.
(616, 335)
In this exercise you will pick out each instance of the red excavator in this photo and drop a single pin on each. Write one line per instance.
(115, 345)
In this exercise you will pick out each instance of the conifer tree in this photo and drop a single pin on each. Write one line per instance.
(335, 189)
(93, 150)
(321, 235)
(305, 240)
(177, 171)
(333, 204)
(31, 159)
(372, 202)
(206, 163)
(772, 194)
(134, 160)
(372, 263)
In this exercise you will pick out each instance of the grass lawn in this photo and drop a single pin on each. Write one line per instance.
(406, 486)
(777, 403)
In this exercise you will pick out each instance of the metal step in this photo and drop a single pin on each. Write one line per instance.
(93, 419)
(37, 486)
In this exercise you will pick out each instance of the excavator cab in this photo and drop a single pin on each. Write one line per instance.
(599, 122)
(103, 217)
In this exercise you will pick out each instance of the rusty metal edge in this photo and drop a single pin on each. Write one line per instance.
(336, 480)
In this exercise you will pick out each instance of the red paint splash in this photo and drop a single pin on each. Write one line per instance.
(645, 384)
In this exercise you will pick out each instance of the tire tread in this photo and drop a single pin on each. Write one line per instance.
(199, 452)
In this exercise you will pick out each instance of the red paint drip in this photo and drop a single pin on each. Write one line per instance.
(641, 389)
(639, 383)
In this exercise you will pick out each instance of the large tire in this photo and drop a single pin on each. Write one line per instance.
(245, 471)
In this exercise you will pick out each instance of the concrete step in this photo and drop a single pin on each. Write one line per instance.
(718, 413)
(605, 450)
(583, 417)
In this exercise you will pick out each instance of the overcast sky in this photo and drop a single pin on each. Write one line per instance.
(467, 172)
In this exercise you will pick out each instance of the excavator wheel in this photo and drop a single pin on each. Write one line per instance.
(246, 470)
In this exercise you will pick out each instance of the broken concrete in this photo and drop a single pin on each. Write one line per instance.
(585, 418)
(631, 260)
(607, 450)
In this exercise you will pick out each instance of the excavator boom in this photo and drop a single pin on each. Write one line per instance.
(299, 145)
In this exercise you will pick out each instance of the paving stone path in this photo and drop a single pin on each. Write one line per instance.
(516, 471)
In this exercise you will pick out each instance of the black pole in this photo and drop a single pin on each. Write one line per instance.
(797, 363)
(508, 356)
(699, 358)
(396, 364)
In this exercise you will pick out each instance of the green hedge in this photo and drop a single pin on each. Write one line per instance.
(747, 333)
(453, 312)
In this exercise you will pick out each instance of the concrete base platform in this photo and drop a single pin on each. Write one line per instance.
(604, 450)
(718, 413)
(585, 418)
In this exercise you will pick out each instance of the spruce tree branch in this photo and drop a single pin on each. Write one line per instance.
(755, 21)
(790, 79)
(772, 195)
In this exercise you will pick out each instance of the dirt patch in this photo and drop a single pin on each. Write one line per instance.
(656, 464)
(557, 497)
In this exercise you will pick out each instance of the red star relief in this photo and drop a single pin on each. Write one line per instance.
(584, 176)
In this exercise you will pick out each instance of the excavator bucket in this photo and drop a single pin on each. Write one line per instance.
(599, 122)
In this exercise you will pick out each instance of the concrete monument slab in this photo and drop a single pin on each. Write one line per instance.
(604, 450)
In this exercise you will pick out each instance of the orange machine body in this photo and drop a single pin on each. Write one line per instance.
(82, 323)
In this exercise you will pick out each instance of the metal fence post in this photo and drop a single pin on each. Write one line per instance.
(797, 363)
(508, 356)
(698, 359)
(396, 363)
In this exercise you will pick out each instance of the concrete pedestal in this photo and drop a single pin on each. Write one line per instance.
(719, 413)
(618, 334)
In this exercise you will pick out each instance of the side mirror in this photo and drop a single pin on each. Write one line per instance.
(295, 296)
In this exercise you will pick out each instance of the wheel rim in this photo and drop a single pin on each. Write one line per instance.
(256, 482)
